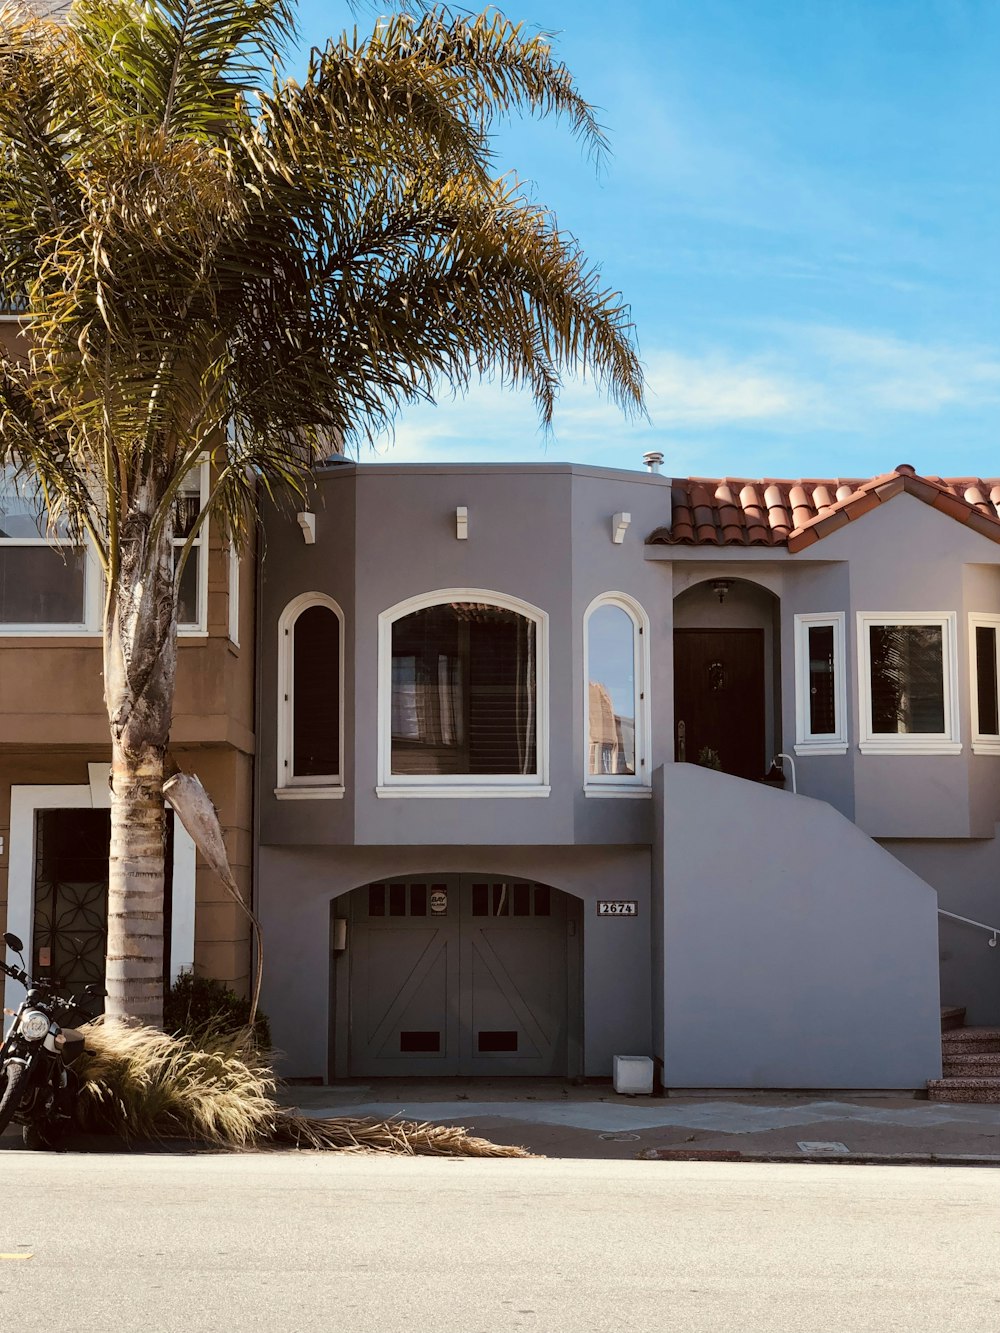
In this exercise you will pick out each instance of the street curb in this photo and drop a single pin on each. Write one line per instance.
(824, 1159)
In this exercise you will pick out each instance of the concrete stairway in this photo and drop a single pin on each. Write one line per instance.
(971, 1060)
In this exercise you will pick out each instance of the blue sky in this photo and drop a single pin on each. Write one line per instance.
(802, 207)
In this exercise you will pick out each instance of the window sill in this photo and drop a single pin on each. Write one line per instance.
(633, 793)
(460, 792)
(986, 745)
(820, 747)
(309, 793)
(915, 747)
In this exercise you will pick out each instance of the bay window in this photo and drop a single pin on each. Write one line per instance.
(462, 697)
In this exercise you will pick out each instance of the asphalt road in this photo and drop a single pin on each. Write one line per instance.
(188, 1244)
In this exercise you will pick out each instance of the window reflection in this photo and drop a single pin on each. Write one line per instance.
(611, 692)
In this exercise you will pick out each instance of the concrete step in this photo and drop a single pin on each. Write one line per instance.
(963, 1090)
(965, 1041)
(952, 1016)
(982, 1064)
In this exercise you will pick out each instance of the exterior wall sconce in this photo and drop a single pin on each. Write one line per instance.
(307, 522)
(619, 526)
(721, 587)
(462, 523)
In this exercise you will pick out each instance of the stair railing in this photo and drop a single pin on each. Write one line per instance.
(994, 931)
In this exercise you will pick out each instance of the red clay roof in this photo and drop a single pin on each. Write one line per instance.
(733, 511)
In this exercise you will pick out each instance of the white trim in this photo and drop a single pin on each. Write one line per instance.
(530, 784)
(807, 742)
(25, 802)
(982, 744)
(618, 793)
(474, 789)
(925, 743)
(200, 553)
(621, 783)
(234, 596)
(309, 793)
(287, 782)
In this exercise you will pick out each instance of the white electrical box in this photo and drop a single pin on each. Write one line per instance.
(633, 1075)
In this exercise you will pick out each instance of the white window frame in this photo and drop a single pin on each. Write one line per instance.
(807, 742)
(92, 590)
(948, 741)
(289, 787)
(981, 744)
(233, 622)
(25, 802)
(200, 554)
(638, 784)
(451, 784)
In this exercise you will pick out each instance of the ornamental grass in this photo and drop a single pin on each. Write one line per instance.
(219, 1089)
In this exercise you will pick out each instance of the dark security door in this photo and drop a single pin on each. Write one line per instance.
(70, 929)
(458, 975)
(719, 700)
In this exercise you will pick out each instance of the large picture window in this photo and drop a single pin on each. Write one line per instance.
(908, 671)
(310, 713)
(462, 695)
(44, 575)
(615, 673)
(820, 688)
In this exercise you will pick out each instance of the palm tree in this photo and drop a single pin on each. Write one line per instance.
(220, 262)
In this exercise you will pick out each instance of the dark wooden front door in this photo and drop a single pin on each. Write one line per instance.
(719, 699)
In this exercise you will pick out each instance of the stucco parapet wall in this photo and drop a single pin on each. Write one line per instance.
(348, 468)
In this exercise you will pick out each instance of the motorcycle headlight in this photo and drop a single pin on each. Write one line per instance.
(34, 1025)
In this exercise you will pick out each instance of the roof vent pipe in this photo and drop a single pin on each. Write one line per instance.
(653, 460)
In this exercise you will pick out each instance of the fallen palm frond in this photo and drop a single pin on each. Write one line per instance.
(145, 1084)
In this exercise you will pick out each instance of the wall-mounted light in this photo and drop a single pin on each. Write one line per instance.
(720, 587)
(307, 522)
(619, 526)
(462, 523)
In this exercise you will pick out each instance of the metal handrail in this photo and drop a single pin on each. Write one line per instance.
(981, 925)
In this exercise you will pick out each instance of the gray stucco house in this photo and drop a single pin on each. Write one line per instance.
(480, 848)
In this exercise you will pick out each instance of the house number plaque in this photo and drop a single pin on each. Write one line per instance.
(618, 907)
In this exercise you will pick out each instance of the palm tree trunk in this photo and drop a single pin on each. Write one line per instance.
(135, 887)
(140, 660)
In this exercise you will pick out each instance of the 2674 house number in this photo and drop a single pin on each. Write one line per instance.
(618, 907)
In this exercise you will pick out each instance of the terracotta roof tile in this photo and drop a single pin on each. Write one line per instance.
(736, 511)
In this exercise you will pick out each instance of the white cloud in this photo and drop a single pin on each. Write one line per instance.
(897, 376)
(710, 410)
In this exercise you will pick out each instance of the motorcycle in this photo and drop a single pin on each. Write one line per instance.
(38, 1086)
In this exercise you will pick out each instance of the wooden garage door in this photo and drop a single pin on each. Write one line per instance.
(458, 975)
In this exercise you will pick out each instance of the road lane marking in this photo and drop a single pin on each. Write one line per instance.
(17, 1256)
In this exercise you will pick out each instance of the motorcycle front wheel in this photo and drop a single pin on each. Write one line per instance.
(13, 1082)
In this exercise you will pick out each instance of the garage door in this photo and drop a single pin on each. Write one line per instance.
(459, 975)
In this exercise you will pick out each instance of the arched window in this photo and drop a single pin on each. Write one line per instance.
(462, 698)
(310, 697)
(616, 667)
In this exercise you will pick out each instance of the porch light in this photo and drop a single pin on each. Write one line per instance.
(720, 587)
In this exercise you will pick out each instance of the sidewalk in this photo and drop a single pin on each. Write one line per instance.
(558, 1119)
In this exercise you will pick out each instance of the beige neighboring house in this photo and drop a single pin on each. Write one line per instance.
(55, 749)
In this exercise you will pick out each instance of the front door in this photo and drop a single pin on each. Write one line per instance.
(459, 974)
(719, 700)
(70, 928)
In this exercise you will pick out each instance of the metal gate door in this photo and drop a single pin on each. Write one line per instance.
(458, 975)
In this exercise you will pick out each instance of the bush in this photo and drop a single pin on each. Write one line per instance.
(196, 1006)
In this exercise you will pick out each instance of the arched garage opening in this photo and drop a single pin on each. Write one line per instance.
(456, 975)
